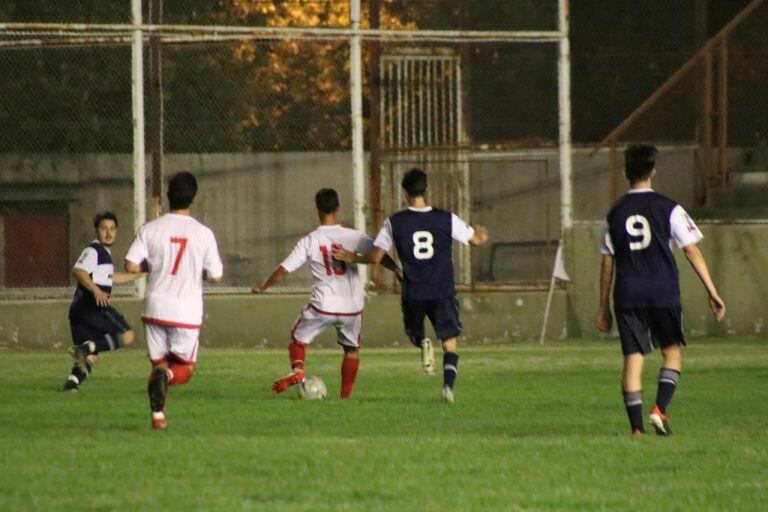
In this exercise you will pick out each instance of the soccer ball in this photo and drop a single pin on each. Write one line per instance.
(312, 388)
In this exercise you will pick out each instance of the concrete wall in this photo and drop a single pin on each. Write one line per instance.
(266, 321)
(737, 256)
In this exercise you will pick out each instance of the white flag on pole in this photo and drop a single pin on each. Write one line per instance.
(558, 271)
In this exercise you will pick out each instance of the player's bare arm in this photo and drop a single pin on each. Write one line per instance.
(375, 256)
(102, 298)
(480, 237)
(277, 275)
(604, 318)
(126, 277)
(699, 264)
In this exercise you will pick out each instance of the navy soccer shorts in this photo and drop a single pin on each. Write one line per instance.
(442, 313)
(642, 329)
(95, 323)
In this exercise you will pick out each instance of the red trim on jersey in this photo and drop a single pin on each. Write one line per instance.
(335, 314)
(168, 323)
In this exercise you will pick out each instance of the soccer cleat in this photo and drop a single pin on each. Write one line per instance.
(72, 384)
(157, 389)
(284, 383)
(659, 421)
(427, 356)
(638, 432)
(159, 421)
(448, 395)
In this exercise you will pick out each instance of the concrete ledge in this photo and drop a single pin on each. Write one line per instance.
(249, 321)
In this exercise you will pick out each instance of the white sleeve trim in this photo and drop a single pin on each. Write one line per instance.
(460, 230)
(684, 231)
(298, 256)
(606, 244)
(384, 238)
(137, 252)
(88, 260)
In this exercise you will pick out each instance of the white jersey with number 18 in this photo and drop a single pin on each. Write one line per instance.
(337, 288)
(178, 249)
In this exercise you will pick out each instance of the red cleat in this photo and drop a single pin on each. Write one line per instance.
(159, 421)
(284, 383)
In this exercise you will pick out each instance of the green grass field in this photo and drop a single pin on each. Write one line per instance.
(533, 429)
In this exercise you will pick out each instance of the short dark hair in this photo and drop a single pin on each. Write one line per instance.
(182, 189)
(327, 200)
(639, 161)
(415, 183)
(105, 215)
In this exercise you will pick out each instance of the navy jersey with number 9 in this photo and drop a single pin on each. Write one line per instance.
(640, 229)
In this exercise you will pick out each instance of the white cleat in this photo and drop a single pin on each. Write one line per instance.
(448, 395)
(427, 356)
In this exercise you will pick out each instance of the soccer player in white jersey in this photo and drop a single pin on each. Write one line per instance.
(179, 252)
(337, 294)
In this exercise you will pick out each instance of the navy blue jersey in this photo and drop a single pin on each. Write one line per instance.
(641, 227)
(423, 239)
(97, 261)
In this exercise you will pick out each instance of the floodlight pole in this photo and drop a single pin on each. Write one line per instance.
(137, 88)
(356, 92)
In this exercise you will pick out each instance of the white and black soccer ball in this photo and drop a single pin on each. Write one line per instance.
(312, 388)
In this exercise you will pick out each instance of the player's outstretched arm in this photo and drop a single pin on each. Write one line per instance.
(274, 278)
(102, 298)
(375, 256)
(126, 277)
(480, 237)
(390, 264)
(604, 320)
(696, 259)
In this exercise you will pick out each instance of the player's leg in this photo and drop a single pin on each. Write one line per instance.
(157, 388)
(83, 365)
(444, 315)
(348, 331)
(668, 330)
(182, 357)
(309, 324)
(635, 343)
(413, 321)
(111, 332)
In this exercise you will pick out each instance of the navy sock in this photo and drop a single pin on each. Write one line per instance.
(450, 368)
(79, 374)
(668, 379)
(109, 342)
(633, 401)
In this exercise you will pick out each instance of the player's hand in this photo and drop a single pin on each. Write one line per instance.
(604, 320)
(399, 275)
(480, 236)
(341, 254)
(258, 289)
(102, 298)
(717, 306)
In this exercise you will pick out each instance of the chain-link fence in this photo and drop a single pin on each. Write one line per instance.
(693, 86)
(254, 97)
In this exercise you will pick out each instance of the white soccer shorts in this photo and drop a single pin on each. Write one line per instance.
(180, 342)
(312, 322)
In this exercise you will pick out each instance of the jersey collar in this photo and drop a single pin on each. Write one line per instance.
(639, 190)
(425, 209)
(96, 241)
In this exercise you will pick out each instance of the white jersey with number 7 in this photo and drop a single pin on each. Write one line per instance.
(177, 249)
(337, 288)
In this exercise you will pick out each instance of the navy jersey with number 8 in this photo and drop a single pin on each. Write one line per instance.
(423, 238)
